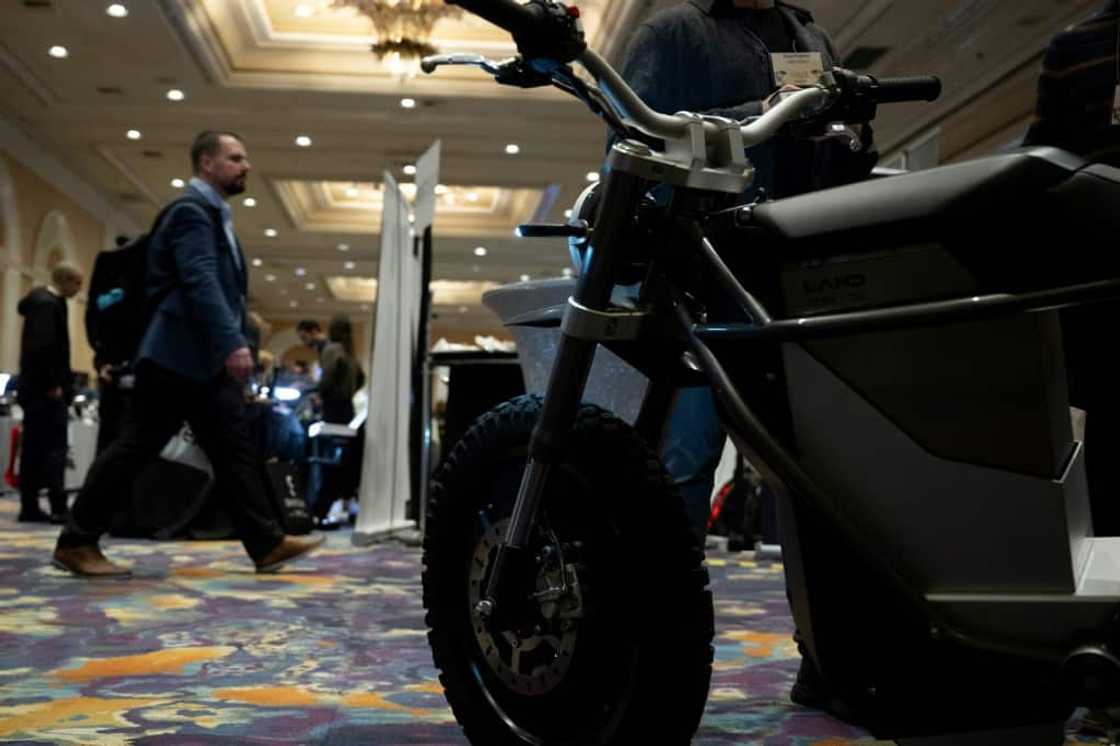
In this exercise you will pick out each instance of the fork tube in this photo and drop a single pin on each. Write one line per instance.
(621, 194)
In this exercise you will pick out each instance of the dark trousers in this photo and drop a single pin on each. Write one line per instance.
(43, 458)
(216, 412)
(340, 480)
(112, 411)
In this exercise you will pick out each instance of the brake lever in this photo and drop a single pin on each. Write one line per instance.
(429, 64)
(513, 71)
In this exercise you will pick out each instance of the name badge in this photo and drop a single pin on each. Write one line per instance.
(1116, 107)
(797, 68)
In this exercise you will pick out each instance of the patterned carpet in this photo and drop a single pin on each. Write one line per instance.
(198, 649)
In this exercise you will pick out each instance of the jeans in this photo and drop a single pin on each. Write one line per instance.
(691, 451)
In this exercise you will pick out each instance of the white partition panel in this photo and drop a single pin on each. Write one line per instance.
(386, 482)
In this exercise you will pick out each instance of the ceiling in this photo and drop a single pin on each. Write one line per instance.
(264, 69)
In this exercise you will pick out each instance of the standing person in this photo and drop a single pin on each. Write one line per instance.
(340, 372)
(111, 356)
(45, 389)
(1079, 110)
(716, 57)
(342, 376)
(1079, 89)
(311, 335)
(192, 364)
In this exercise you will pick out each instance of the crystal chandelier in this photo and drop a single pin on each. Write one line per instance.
(403, 29)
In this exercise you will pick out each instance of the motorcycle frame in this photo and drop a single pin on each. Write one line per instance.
(589, 321)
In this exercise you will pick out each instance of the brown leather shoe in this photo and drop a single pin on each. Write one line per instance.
(289, 548)
(88, 562)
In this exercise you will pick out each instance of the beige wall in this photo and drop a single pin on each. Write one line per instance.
(51, 226)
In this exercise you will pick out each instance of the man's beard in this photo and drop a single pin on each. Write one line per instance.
(235, 186)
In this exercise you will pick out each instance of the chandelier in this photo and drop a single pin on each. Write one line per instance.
(403, 29)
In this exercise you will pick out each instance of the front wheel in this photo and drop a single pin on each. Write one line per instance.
(614, 644)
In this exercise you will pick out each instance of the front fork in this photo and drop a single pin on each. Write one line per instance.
(504, 596)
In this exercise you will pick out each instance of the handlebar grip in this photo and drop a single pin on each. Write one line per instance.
(899, 90)
(510, 15)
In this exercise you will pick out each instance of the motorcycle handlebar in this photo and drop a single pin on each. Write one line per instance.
(901, 90)
(510, 15)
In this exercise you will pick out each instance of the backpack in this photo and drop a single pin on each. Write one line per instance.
(119, 307)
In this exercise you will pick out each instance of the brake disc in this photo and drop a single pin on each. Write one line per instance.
(530, 661)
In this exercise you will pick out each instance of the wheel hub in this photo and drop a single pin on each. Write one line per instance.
(533, 658)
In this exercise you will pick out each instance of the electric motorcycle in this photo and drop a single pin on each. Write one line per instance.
(888, 354)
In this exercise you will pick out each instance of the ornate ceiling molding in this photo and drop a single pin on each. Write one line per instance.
(262, 44)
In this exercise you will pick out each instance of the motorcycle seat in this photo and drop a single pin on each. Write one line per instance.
(1031, 218)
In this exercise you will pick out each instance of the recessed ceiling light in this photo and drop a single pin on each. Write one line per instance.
(409, 170)
(175, 95)
(524, 278)
(567, 272)
(350, 265)
(352, 192)
(567, 213)
(309, 286)
(463, 309)
(249, 202)
(271, 232)
(58, 52)
(480, 251)
(472, 196)
(592, 175)
(294, 304)
(116, 10)
(258, 262)
(408, 103)
(270, 278)
(442, 189)
(344, 247)
(513, 149)
(304, 11)
(303, 141)
(412, 218)
(178, 183)
(133, 134)
(300, 271)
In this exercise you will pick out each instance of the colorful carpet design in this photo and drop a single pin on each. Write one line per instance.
(198, 649)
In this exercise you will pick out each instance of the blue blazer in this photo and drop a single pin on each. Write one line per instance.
(200, 316)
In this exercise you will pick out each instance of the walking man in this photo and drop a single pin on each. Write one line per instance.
(192, 365)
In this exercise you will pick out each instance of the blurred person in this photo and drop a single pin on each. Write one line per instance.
(717, 57)
(342, 377)
(311, 335)
(111, 354)
(192, 364)
(45, 389)
(1078, 110)
(1078, 105)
